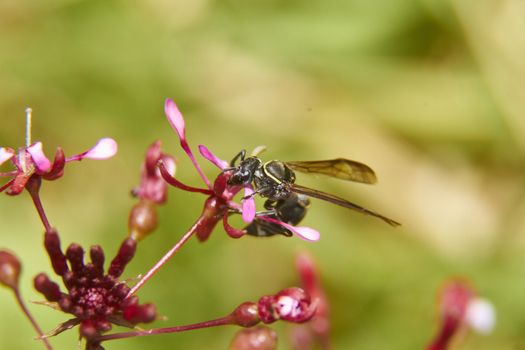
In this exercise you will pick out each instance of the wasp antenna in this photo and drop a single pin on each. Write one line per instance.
(258, 150)
(227, 169)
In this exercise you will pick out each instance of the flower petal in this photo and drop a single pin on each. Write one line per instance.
(105, 148)
(248, 205)
(175, 118)
(41, 162)
(206, 153)
(6, 154)
(480, 315)
(230, 230)
(169, 164)
(304, 232)
(177, 123)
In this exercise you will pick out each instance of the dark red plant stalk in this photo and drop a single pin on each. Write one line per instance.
(291, 305)
(10, 269)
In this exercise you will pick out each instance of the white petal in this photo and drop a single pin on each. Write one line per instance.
(481, 316)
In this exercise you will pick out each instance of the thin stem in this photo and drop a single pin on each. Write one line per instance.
(10, 173)
(164, 259)
(6, 185)
(29, 113)
(31, 319)
(223, 321)
(39, 208)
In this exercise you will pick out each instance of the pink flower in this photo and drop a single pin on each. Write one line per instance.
(459, 309)
(152, 186)
(317, 330)
(220, 204)
(152, 191)
(31, 162)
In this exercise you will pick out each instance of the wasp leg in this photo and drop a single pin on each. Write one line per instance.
(265, 213)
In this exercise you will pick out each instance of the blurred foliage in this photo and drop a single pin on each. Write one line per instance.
(430, 93)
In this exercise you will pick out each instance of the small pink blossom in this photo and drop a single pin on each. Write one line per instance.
(317, 330)
(31, 161)
(152, 186)
(220, 203)
(291, 304)
(460, 308)
(152, 191)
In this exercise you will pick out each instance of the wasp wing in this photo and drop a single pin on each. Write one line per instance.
(342, 202)
(340, 168)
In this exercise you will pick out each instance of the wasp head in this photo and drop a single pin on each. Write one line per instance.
(244, 172)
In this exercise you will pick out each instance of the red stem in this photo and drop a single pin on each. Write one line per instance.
(212, 323)
(31, 319)
(40, 209)
(164, 259)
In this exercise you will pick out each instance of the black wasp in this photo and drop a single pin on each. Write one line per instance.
(275, 180)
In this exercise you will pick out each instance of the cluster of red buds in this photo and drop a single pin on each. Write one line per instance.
(96, 300)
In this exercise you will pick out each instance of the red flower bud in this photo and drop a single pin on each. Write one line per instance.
(9, 269)
(246, 315)
(144, 313)
(142, 220)
(291, 304)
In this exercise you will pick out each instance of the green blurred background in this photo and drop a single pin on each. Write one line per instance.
(429, 93)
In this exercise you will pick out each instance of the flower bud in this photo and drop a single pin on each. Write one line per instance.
(9, 269)
(124, 256)
(142, 220)
(291, 304)
(257, 338)
(246, 315)
(140, 313)
(50, 289)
